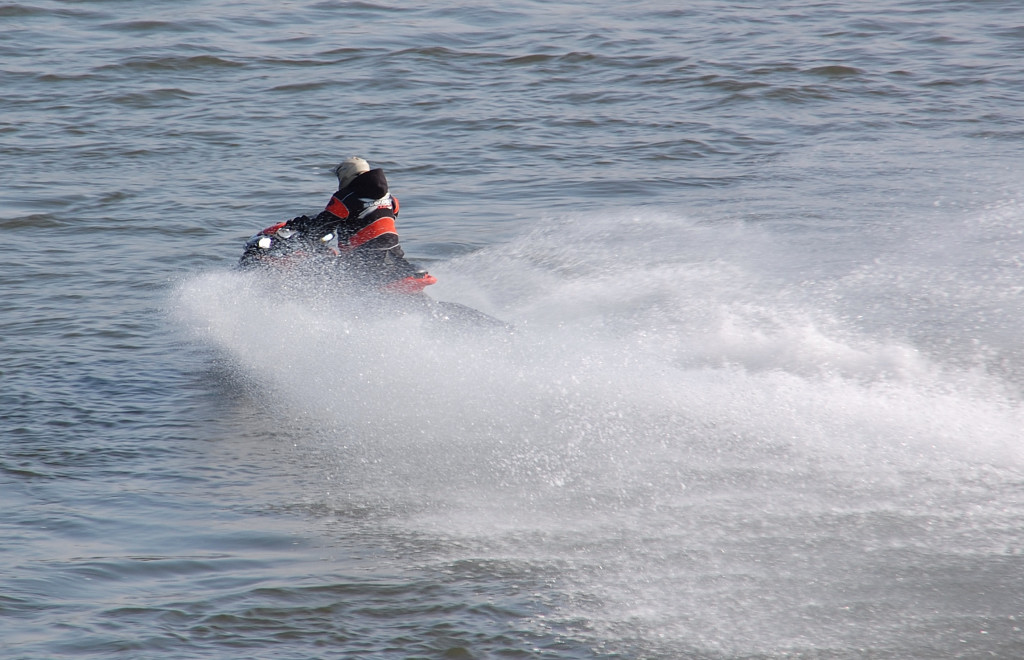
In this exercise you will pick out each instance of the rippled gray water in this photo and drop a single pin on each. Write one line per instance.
(765, 394)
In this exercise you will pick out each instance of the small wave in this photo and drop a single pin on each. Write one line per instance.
(835, 71)
(17, 11)
(175, 63)
(32, 221)
(151, 98)
(304, 87)
(158, 26)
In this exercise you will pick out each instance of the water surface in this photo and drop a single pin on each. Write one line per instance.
(764, 398)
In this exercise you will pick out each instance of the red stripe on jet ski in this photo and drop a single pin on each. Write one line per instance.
(411, 284)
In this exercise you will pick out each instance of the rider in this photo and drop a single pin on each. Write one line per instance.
(361, 214)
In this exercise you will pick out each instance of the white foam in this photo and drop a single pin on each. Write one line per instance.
(650, 402)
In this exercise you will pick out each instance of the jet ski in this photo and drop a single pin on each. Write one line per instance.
(384, 286)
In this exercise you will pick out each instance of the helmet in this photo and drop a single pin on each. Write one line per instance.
(349, 169)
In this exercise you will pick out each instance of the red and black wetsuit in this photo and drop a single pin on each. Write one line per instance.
(365, 214)
(362, 214)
